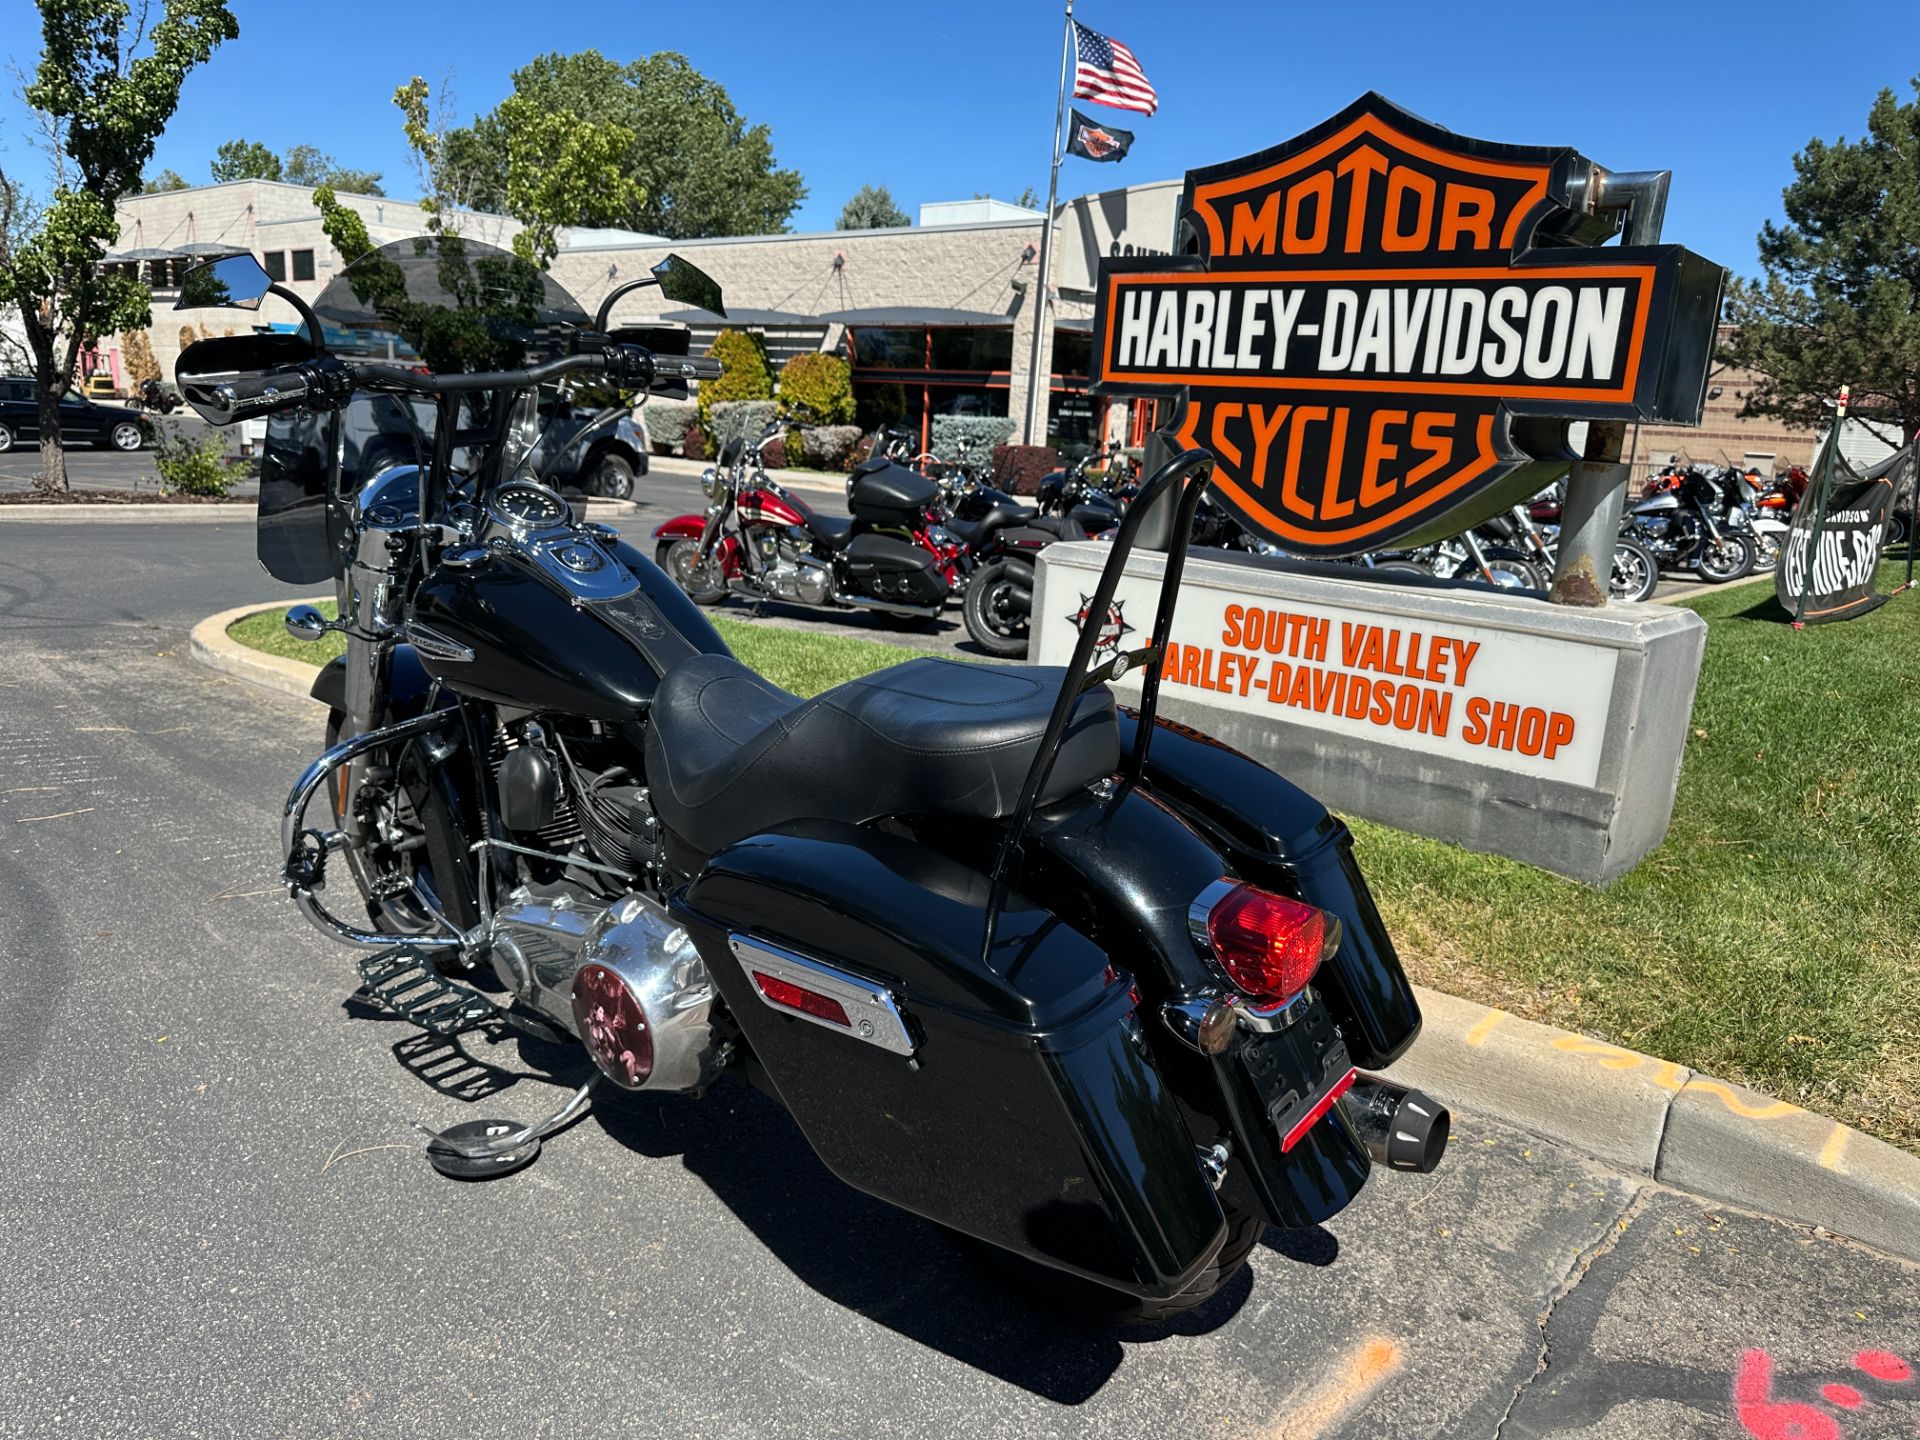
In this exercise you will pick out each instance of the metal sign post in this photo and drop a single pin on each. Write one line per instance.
(1036, 383)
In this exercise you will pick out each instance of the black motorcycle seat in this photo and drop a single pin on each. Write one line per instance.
(730, 754)
(831, 531)
(1065, 526)
(976, 532)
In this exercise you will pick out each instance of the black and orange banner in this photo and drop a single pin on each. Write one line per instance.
(1367, 309)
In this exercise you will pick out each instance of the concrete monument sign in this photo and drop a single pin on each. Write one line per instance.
(1549, 735)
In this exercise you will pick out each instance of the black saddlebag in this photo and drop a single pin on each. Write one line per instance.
(1010, 1097)
(883, 567)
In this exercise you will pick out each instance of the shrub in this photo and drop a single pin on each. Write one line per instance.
(1020, 467)
(667, 422)
(693, 444)
(738, 419)
(192, 463)
(823, 447)
(986, 432)
(816, 390)
(744, 376)
(774, 456)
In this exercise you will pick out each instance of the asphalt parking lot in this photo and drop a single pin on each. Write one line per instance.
(215, 1218)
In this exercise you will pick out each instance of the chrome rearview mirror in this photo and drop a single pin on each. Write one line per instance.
(679, 281)
(306, 623)
(687, 284)
(233, 282)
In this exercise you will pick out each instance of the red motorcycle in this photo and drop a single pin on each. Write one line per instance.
(890, 556)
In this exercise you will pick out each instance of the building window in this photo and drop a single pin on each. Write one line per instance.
(303, 265)
(275, 262)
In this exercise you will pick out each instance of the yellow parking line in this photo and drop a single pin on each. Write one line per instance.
(1477, 1036)
(1832, 1152)
(1362, 1371)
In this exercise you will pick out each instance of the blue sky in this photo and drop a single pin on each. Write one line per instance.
(939, 100)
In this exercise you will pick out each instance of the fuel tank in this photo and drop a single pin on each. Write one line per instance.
(498, 627)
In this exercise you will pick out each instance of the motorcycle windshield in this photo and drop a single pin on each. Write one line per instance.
(439, 304)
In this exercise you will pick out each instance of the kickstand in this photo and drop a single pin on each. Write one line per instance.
(488, 1149)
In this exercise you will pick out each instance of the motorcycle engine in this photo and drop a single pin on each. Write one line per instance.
(805, 579)
(623, 977)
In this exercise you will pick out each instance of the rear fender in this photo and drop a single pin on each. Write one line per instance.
(1278, 836)
(1126, 871)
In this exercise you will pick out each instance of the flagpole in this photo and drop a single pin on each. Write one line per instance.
(1036, 382)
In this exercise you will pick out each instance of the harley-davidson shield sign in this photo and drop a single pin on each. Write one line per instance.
(1380, 327)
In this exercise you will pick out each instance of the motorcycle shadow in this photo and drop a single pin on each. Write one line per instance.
(749, 1153)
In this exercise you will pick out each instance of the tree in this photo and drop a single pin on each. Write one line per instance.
(165, 180)
(138, 353)
(104, 89)
(1840, 301)
(1029, 198)
(872, 208)
(309, 165)
(698, 168)
(560, 168)
(244, 160)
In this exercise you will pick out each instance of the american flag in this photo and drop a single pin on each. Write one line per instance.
(1105, 72)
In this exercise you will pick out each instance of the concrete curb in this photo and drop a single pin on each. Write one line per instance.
(1692, 592)
(1642, 1114)
(1661, 1120)
(825, 484)
(210, 644)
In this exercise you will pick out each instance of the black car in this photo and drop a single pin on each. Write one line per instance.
(80, 419)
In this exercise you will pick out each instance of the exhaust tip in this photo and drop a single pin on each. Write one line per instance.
(1403, 1129)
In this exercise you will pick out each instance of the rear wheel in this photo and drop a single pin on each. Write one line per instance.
(6, 439)
(1400, 567)
(126, 436)
(702, 580)
(997, 609)
(1727, 558)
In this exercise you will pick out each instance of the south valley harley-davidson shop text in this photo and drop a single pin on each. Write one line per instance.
(1438, 689)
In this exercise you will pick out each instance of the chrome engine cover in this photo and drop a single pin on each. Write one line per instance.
(539, 949)
(805, 579)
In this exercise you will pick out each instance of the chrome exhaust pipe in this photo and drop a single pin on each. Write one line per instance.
(1402, 1129)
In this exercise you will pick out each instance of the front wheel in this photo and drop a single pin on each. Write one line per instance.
(998, 608)
(1513, 571)
(1636, 572)
(702, 580)
(126, 436)
(6, 439)
(1727, 558)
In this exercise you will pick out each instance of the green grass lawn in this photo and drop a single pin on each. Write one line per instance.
(1773, 939)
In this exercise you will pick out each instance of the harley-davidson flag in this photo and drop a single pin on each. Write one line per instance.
(1106, 72)
(1091, 140)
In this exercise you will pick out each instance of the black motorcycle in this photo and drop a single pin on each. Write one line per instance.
(1077, 983)
(1002, 537)
(1695, 524)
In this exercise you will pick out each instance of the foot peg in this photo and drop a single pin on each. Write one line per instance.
(405, 982)
(488, 1149)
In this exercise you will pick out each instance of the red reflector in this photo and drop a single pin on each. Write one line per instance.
(1268, 944)
(807, 1002)
(1313, 1117)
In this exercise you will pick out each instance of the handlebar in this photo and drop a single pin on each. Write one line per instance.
(328, 383)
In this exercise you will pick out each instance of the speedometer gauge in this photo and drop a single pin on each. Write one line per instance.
(529, 506)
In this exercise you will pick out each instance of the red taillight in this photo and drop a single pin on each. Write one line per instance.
(610, 1021)
(1268, 944)
(807, 1002)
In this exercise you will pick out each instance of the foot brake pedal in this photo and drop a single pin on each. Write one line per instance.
(405, 982)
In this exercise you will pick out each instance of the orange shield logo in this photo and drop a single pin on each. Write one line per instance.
(1381, 328)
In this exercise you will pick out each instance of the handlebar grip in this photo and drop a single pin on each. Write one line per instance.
(690, 368)
(224, 402)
